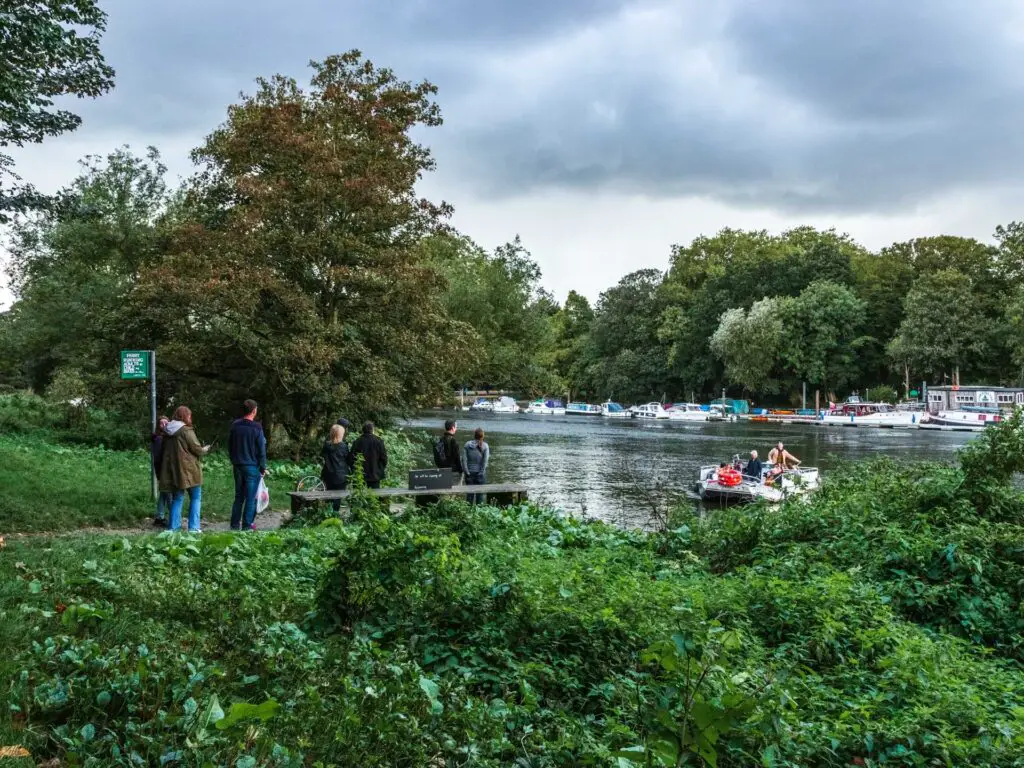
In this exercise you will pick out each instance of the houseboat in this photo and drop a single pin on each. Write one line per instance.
(970, 408)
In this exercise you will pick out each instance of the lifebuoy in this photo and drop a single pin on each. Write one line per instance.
(729, 477)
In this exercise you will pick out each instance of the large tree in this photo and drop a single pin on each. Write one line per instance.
(498, 295)
(73, 267)
(824, 335)
(48, 49)
(631, 359)
(295, 275)
(944, 329)
(749, 343)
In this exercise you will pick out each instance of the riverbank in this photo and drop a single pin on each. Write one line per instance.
(875, 625)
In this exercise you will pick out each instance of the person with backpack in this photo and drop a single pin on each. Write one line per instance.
(335, 458)
(447, 453)
(477, 454)
(182, 470)
(374, 453)
(156, 450)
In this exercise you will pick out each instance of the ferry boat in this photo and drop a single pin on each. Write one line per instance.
(612, 410)
(649, 411)
(687, 412)
(724, 487)
(582, 409)
(855, 412)
(545, 408)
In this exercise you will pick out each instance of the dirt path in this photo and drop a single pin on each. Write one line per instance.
(268, 521)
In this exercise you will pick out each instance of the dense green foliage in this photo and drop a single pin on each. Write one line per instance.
(50, 50)
(878, 624)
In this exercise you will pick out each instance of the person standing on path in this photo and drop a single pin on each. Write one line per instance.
(335, 458)
(163, 497)
(182, 470)
(374, 453)
(452, 454)
(477, 454)
(247, 447)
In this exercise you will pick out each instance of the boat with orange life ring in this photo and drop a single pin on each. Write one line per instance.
(722, 486)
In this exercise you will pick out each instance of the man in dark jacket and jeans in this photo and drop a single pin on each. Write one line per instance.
(452, 451)
(374, 453)
(247, 446)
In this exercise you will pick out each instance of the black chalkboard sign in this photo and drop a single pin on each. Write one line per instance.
(430, 479)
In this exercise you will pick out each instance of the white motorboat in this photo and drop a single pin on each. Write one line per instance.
(974, 419)
(649, 411)
(687, 412)
(582, 409)
(729, 486)
(615, 411)
(482, 405)
(855, 412)
(505, 405)
(545, 408)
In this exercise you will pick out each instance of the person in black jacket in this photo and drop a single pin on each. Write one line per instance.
(374, 453)
(754, 468)
(452, 450)
(335, 457)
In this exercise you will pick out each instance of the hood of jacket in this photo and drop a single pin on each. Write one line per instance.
(174, 426)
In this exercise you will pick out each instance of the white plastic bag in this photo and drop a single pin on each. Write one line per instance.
(262, 497)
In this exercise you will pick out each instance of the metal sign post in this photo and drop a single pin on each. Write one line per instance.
(137, 364)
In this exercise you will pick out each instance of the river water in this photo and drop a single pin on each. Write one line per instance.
(628, 471)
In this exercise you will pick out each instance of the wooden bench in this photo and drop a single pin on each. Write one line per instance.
(500, 494)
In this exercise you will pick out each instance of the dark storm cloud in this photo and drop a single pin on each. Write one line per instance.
(789, 104)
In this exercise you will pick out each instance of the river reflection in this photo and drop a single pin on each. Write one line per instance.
(621, 471)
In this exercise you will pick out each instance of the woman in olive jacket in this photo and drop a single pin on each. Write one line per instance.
(182, 470)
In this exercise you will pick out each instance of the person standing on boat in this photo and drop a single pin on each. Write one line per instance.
(754, 468)
(780, 457)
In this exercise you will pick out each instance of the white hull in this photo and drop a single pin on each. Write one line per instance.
(887, 419)
(544, 411)
(795, 483)
(650, 411)
(693, 416)
(962, 419)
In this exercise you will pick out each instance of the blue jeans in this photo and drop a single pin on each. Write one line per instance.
(163, 505)
(476, 478)
(195, 498)
(247, 484)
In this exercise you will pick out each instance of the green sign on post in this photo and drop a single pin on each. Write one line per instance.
(913, 393)
(134, 364)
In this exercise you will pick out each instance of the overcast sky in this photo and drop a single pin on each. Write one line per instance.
(604, 131)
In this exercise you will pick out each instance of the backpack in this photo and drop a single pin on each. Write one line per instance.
(441, 458)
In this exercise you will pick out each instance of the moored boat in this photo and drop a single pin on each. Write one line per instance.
(973, 419)
(615, 411)
(687, 412)
(545, 408)
(582, 409)
(505, 405)
(649, 411)
(856, 412)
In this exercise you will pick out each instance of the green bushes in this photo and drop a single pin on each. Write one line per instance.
(874, 626)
